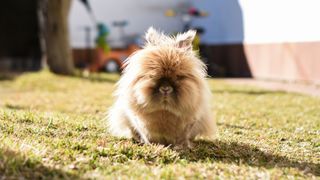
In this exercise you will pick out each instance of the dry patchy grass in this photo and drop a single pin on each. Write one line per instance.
(52, 127)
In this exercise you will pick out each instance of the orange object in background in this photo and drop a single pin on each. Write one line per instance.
(97, 60)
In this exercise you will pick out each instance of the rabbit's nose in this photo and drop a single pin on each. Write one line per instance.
(165, 90)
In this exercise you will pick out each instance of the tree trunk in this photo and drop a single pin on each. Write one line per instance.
(59, 57)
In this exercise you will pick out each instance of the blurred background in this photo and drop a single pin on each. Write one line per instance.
(267, 39)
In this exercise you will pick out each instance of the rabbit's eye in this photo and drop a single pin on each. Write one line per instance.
(150, 76)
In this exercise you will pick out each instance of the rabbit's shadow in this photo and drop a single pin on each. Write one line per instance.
(233, 152)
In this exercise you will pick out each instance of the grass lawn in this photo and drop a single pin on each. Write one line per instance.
(52, 127)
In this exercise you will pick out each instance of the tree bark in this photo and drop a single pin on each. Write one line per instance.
(58, 50)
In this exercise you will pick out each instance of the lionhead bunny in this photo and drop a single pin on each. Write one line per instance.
(162, 96)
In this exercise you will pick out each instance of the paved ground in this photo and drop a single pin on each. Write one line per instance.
(309, 89)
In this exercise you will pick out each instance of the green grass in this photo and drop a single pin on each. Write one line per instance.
(52, 127)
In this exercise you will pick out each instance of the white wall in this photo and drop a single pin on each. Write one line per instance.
(139, 13)
(259, 21)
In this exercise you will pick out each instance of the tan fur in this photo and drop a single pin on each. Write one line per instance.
(143, 113)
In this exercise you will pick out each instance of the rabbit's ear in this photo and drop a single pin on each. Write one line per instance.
(185, 40)
(153, 37)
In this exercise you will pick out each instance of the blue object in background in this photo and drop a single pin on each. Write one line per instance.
(223, 25)
(102, 29)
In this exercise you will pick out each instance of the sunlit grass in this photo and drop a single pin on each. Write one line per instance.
(53, 127)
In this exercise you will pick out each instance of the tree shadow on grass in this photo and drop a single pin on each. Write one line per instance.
(7, 77)
(234, 152)
(13, 165)
(16, 107)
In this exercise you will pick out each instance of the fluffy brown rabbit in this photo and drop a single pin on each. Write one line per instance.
(162, 96)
